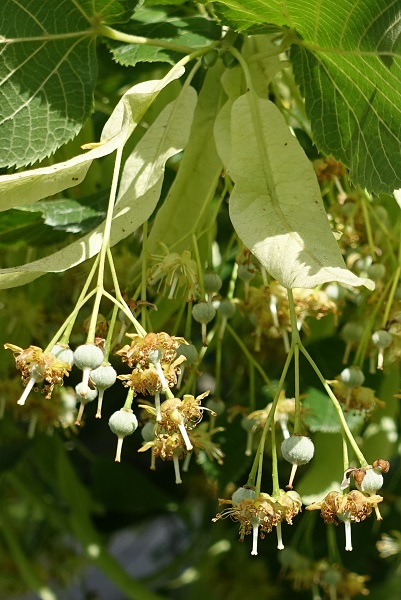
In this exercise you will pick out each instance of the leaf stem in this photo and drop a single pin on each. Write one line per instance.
(119, 36)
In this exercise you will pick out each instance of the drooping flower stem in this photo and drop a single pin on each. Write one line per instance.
(104, 247)
(257, 466)
(129, 399)
(275, 481)
(296, 341)
(347, 432)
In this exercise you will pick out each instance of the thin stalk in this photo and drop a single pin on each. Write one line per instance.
(217, 388)
(396, 279)
(110, 332)
(199, 265)
(337, 406)
(252, 395)
(368, 227)
(361, 350)
(105, 246)
(144, 265)
(275, 481)
(119, 300)
(119, 36)
(69, 322)
(258, 460)
(251, 359)
(296, 342)
(129, 399)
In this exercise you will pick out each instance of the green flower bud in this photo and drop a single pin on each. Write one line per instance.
(227, 309)
(242, 493)
(352, 376)
(212, 282)
(246, 272)
(209, 59)
(352, 332)
(85, 393)
(371, 482)
(297, 449)
(123, 422)
(229, 60)
(203, 312)
(88, 356)
(103, 377)
(382, 338)
(189, 351)
(63, 353)
(148, 431)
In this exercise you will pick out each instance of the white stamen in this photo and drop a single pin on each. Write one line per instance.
(280, 545)
(255, 536)
(27, 390)
(85, 379)
(380, 359)
(160, 373)
(176, 463)
(119, 448)
(80, 413)
(185, 436)
(292, 475)
(153, 462)
(32, 426)
(157, 404)
(249, 442)
(348, 541)
(283, 420)
(99, 404)
(187, 460)
(172, 289)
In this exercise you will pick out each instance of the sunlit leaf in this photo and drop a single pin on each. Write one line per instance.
(48, 70)
(32, 185)
(168, 134)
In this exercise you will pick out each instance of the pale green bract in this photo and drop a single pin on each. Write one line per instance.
(141, 184)
(276, 206)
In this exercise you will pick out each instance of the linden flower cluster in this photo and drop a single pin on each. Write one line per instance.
(175, 435)
(154, 364)
(260, 514)
(37, 366)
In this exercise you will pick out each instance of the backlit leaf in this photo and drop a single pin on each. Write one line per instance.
(276, 206)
